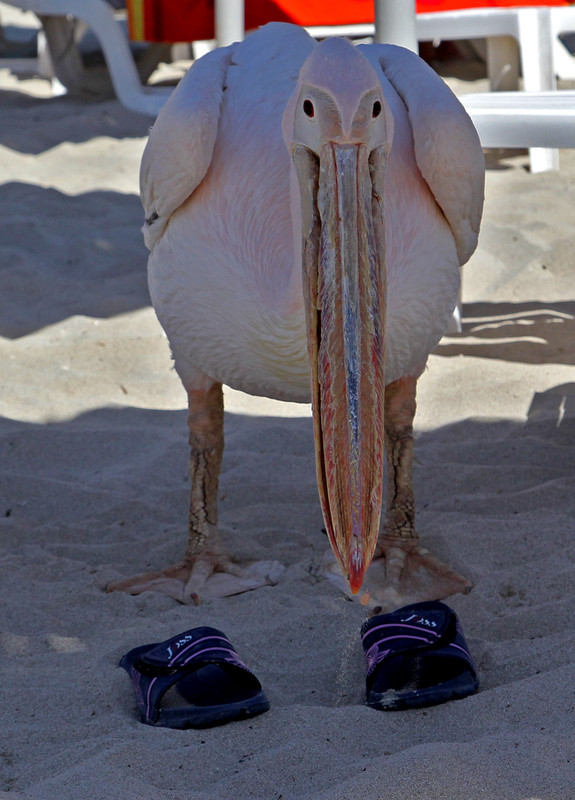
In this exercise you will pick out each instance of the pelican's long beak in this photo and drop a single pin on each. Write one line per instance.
(344, 280)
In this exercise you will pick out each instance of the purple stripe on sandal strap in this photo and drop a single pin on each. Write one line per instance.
(148, 701)
(399, 625)
(196, 643)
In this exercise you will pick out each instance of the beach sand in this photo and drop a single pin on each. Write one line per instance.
(93, 469)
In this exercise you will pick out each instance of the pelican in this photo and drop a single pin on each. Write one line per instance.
(307, 209)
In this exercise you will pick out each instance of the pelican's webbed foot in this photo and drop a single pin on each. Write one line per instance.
(207, 577)
(206, 570)
(405, 573)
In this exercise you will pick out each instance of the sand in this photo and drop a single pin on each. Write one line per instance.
(93, 487)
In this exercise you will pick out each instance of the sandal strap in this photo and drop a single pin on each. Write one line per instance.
(421, 627)
(205, 645)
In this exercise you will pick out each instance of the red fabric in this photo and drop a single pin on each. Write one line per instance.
(188, 20)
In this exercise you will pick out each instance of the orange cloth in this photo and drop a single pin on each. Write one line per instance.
(188, 20)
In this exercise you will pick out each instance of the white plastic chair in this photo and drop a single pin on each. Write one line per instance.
(539, 118)
(99, 16)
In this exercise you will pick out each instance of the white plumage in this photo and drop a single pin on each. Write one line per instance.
(223, 277)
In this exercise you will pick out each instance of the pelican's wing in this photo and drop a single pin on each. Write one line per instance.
(181, 143)
(447, 148)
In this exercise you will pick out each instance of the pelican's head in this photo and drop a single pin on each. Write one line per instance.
(338, 99)
(338, 129)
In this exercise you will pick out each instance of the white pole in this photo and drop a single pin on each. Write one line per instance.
(395, 23)
(229, 21)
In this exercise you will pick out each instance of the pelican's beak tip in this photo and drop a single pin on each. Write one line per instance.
(356, 571)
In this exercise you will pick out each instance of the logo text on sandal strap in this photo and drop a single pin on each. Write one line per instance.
(179, 644)
(421, 621)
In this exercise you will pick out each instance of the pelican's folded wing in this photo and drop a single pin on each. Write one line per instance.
(447, 146)
(181, 143)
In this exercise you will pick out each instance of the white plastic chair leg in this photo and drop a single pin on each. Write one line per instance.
(536, 50)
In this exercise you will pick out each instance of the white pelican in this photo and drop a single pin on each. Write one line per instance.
(308, 207)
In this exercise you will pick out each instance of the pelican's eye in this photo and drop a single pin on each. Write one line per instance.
(376, 110)
(308, 108)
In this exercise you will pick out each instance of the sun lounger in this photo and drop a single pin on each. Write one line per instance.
(99, 16)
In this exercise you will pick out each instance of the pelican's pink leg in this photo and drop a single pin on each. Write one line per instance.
(399, 413)
(206, 426)
(411, 573)
(206, 570)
